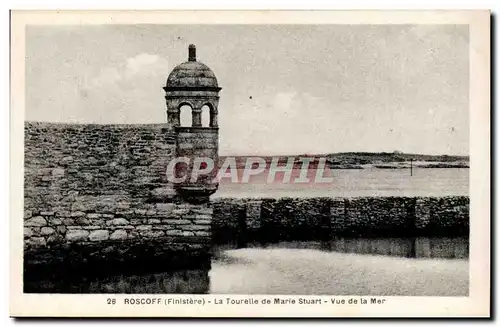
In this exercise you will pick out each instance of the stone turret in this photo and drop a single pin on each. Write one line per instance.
(193, 83)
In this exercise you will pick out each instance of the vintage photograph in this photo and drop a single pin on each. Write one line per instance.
(247, 159)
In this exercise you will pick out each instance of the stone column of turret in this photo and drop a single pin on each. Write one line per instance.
(194, 84)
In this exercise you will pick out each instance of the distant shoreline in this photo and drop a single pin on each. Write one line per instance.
(367, 160)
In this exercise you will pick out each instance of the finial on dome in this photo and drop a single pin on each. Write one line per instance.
(192, 52)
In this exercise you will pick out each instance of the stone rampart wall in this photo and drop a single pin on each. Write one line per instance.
(97, 202)
(289, 219)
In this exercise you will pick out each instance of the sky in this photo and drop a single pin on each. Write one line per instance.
(286, 89)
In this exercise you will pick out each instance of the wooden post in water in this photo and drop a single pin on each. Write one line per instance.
(411, 167)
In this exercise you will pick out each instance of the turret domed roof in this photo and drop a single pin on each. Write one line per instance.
(192, 74)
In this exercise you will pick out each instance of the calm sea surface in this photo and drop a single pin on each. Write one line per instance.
(288, 271)
(358, 182)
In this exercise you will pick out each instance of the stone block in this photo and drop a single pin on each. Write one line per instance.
(77, 235)
(124, 213)
(27, 232)
(46, 213)
(180, 212)
(55, 239)
(162, 194)
(133, 234)
(199, 216)
(90, 227)
(119, 234)
(36, 221)
(176, 221)
(174, 232)
(123, 205)
(82, 221)
(164, 208)
(135, 221)
(203, 210)
(204, 222)
(37, 241)
(68, 221)
(55, 221)
(162, 227)
(97, 222)
(194, 227)
(202, 233)
(117, 221)
(58, 172)
(99, 235)
(152, 233)
(47, 231)
(253, 214)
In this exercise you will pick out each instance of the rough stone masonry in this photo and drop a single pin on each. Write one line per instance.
(97, 201)
(267, 220)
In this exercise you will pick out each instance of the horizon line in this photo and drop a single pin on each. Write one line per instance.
(348, 152)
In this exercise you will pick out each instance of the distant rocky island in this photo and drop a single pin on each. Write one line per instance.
(367, 160)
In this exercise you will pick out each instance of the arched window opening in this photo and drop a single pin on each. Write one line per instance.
(205, 116)
(186, 119)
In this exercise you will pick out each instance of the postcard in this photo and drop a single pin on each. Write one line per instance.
(250, 164)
